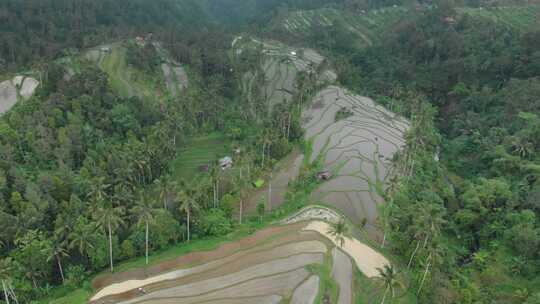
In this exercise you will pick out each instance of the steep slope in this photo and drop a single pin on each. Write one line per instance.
(19, 88)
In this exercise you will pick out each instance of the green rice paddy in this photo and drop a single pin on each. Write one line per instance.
(200, 151)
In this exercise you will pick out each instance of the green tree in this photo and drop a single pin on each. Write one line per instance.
(390, 280)
(260, 210)
(58, 251)
(165, 187)
(144, 212)
(31, 255)
(82, 237)
(98, 190)
(188, 204)
(109, 219)
(7, 267)
(338, 230)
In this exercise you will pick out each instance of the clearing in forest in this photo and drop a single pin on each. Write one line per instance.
(200, 152)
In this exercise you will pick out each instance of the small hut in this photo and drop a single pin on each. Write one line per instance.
(226, 163)
(324, 175)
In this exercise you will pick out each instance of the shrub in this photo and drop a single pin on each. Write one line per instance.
(215, 222)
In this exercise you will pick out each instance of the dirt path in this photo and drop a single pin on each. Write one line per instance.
(366, 259)
(286, 171)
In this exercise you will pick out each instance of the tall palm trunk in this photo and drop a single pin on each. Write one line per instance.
(425, 274)
(384, 296)
(289, 128)
(188, 233)
(214, 186)
(110, 246)
(217, 192)
(241, 210)
(5, 291)
(60, 268)
(270, 193)
(146, 242)
(413, 254)
(12, 292)
(263, 154)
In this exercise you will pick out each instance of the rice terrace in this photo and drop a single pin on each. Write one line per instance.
(270, 152)
(287, 262)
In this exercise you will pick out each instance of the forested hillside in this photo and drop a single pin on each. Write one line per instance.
(31, 30)
(470, 79)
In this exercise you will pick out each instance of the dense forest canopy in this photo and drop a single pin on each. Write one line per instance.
(81, 165)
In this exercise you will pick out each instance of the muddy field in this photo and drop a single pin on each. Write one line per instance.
(269, 266)
(271, 263)
(342, 273)
(358, 149)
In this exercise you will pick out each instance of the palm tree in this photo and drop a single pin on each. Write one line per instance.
(164, 186)
(214, 174)
(390, 279)
(109, 218)
(241, 184)
(98, 191)
(188, 204)
(6, 268)
(82, 237)
(57, 252)
(338, 230)
(435, 252)
(522, 147)
(144, 212)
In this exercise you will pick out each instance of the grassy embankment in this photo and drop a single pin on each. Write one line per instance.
(126, 80)
(200, 151)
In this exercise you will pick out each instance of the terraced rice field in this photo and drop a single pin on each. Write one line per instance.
(11, 90)
(358, 150)
(176, 78)
(124, 79)
(520, 18)
(367, 26)
(201, 151)
(269, 266)
(280, 69)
